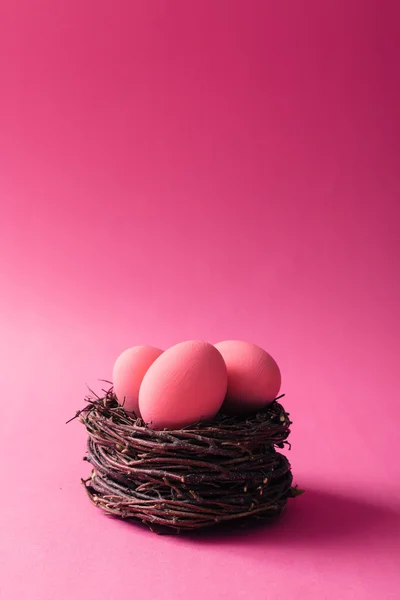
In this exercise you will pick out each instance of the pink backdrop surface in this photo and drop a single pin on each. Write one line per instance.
(213, 169)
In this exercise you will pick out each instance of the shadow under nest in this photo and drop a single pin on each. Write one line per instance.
(212, 473)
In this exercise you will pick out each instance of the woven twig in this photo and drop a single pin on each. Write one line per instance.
(189, 478)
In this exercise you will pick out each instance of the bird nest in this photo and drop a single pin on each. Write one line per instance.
(215, 472)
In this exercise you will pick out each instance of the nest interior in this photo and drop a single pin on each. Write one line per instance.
(224, 470)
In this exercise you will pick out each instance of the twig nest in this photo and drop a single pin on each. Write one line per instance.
(212, 472)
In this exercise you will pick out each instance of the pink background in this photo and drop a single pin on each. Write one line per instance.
(212, 169)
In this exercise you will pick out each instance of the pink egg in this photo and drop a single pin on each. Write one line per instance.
(186, 384)
(128, 372)
(254, 378)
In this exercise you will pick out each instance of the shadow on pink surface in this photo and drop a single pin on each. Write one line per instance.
(322, 516)
(317, 518)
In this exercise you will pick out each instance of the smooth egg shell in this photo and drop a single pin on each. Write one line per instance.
(128, 372)
(186, 384)
(254, 378)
